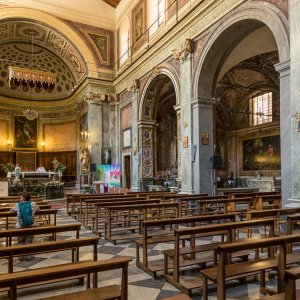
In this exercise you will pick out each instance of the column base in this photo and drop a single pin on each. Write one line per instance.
(135, 188)
(292, 202)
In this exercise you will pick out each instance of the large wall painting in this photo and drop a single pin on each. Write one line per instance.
(262, 153)
(25, 133)
(139, 24)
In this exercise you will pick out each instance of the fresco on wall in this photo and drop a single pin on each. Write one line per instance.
(261, 153)
(139, 24)
(25, 133)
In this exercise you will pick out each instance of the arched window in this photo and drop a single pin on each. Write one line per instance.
(124, 40)
(157, 15)
(261, 109)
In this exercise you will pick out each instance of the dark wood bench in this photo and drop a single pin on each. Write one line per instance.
(98, 225)
(151, 237)
(42, 216)
(9, 234)
(88, 209)
(188, 285)
(36, 248)
(44, 275)
(135, 214)
(227, 271)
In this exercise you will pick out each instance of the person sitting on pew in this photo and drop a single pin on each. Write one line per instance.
(25, 210)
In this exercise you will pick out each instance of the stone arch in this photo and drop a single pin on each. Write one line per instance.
(147, 113)
(239, 22)
(162, 69)
(44, 18)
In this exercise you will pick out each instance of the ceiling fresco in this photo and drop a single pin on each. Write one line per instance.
(52, 52)
(99, 40)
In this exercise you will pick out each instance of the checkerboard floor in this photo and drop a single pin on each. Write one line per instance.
(141, 285)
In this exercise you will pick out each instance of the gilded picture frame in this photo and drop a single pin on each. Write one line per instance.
(25, 133)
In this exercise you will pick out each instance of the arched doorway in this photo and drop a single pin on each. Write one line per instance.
(158, 134)
(237, 65)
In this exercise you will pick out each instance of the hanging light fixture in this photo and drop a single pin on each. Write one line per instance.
(29, 77)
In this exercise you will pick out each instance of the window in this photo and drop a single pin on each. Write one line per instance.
(261, 109)
(157, 15)
(124, 40)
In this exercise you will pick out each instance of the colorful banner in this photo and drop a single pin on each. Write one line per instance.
(109, 174)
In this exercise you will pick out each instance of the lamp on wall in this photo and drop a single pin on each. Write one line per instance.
(84, 135)
(9, 143)
(43, 145)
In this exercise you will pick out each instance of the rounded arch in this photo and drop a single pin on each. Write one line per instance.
(162, 69)
(59, 26)
(238, 23)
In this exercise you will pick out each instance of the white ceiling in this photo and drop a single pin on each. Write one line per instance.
(92, 12)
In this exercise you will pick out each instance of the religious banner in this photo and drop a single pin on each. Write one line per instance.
(25, 133)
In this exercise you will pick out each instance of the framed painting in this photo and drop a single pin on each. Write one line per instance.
(27, 161)
(126, 138)
(139, 24)
(25, 133)
(262, 153)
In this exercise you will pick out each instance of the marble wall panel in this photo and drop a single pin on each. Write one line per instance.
(60, 137)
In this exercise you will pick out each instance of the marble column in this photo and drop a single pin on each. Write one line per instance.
(135, 187)
(186, 125)
(291, 167)
(95, 131)
(203, 123)
(178, 118)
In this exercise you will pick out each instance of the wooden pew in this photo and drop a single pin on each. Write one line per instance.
(231, 228)
(151, 211)
(9, 234)
(43, 216)
(101, 211)
(226, 270)
(8, 208)
(87, 206)
(36, 248)
(61, 272)
(150, 238)
(274, 202)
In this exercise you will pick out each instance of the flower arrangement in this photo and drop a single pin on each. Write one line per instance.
(9, 167)
(58, 166)
(54, 183)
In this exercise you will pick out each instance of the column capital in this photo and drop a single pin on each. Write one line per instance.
(283, 68)
(203, 102)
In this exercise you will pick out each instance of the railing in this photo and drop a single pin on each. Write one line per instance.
(175, 13)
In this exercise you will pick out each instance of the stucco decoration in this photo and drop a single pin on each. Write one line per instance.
(146, 144)
(58, 115)
(3, 134)
(52, 52)
(281, 4)
(60, 137)
(183, 52)
(99, 40)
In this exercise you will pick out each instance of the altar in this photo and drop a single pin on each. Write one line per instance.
(263, 184)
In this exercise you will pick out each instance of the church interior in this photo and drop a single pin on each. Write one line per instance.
(160, 140)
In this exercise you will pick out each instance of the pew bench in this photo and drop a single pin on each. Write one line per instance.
(11, 252)
(226, 271)
(9, 234)
(187, 286)
(41, 217)
(150, 227)
(62, 272)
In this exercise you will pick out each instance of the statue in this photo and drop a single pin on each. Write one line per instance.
(17, 171)
(84, 158)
